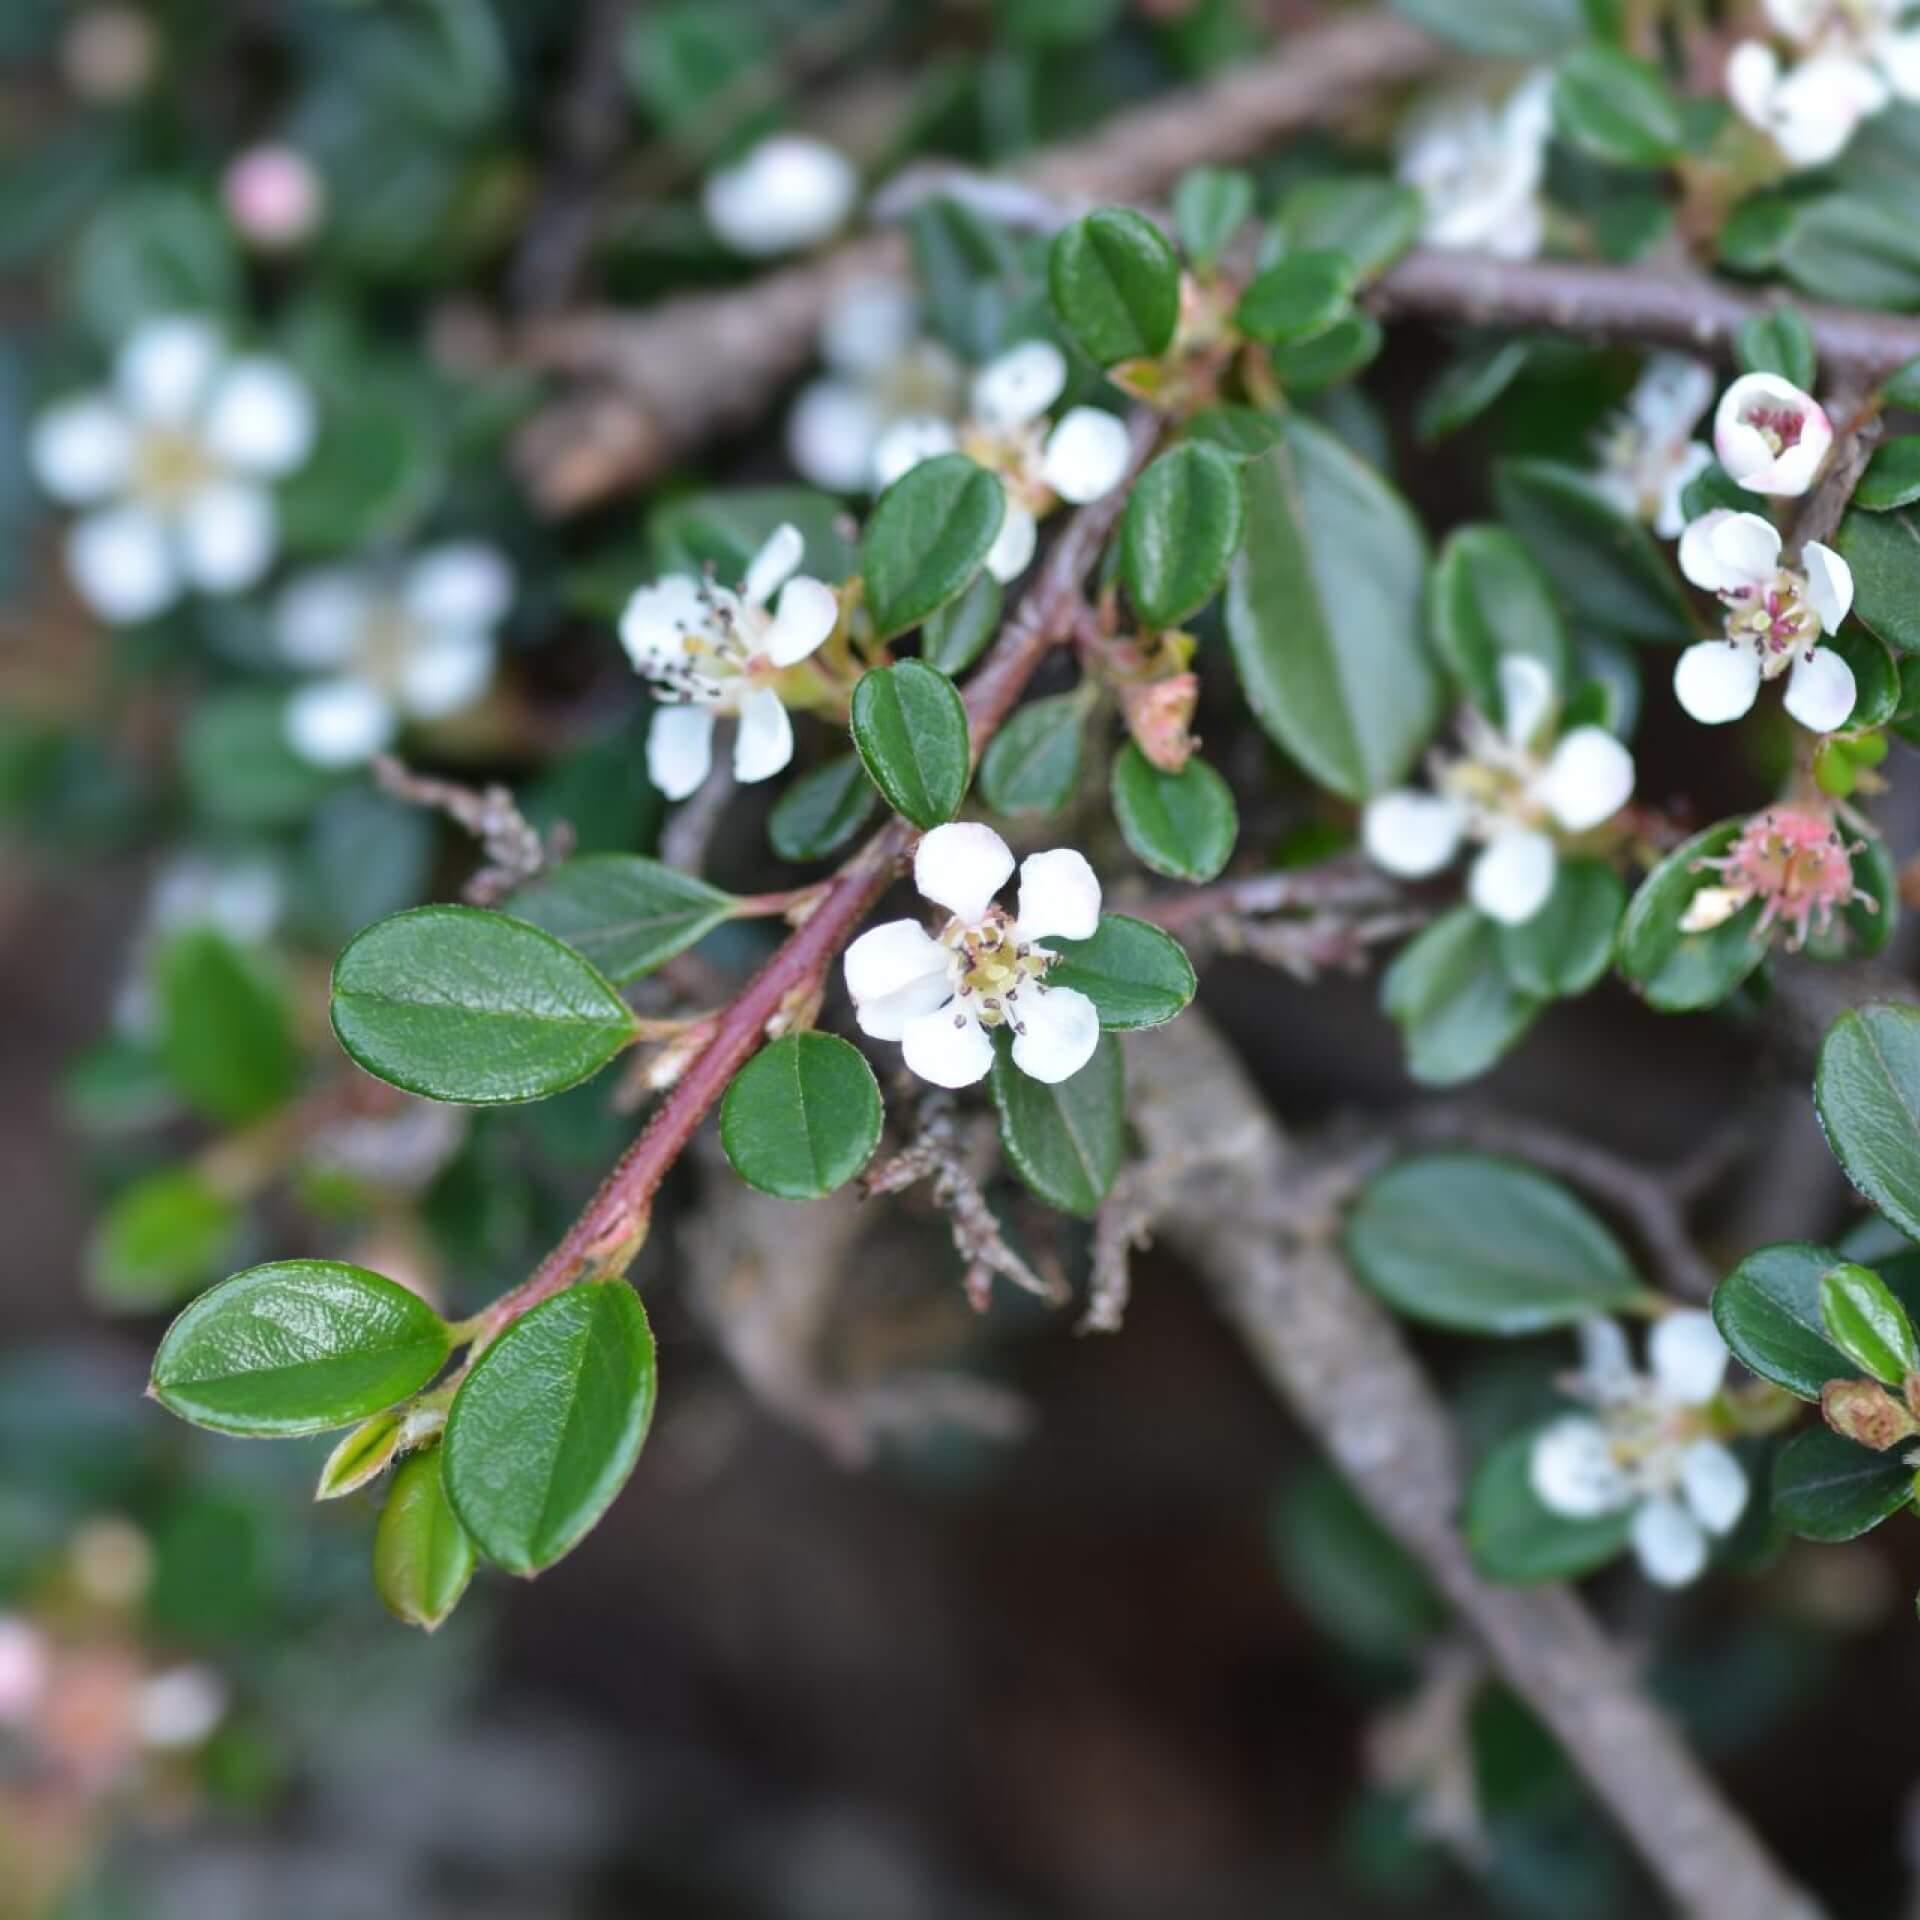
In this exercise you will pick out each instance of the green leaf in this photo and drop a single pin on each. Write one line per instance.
(1681, 972)
(1566, 947)
(1883, 549)
(1467, 387)
(375, 471)
(1852, 251)
(1867, 1324)
(910, 730)
(160, 1239)
(1065, 1141)
(1358, 1584)
(459, 1004)
(1309, 366)
(1892, 478)
(1508, 30)
(1183, 522)
(1240, 431)
(1450, 995)
(158, 249)
(628, 915)
(1486, 1246)
(1826, 1488)
(1618, 109)
(926, 537)
(1181, 824)
(422, 1555)
(955, 637)
(362, 1456)
(725, 529)
(970, 269)
(1299, 296)
(297, 1346)
(1778, 341)
(1033, 761)
(1866, 1090)
(1323, 614)
(1210, 205)
(1768, 1313)
(1487, 599)
(547, 1426)
(802, 1117)
(1116, 285)
(1520, 1543)
(1876, 676)
(1901, 388)
(225, 1037)
(240, 769)
(822, 810)
(1135, 974)
(1370, 220)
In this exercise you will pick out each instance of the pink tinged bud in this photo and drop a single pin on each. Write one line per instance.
(1771, 437)
(1159, 715)
(274, 197)
(1860, 1411)
(23, 1670)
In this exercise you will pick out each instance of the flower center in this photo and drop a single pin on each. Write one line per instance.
(1773, 618)
(169, 466)
(387, 642)
(1016, 454)
(991, 968)
(1798, 864)
(1779, 427)
(717, 655)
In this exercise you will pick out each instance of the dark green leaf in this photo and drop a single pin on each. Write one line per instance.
(238, 766)
(1901, 388)
(1240, 431)
(1826, 1488)
(374, 473)
(1682, 972)
(1181, 824)
(1566, 947)
(1359, 1585)
(1065, 1141)
(970, 270)
(955, 637)
(161, 1239)
(1768, 1313)
(1867, 1324)
(1210, 205)
(546, 1428)
(1618, 109)
(1713, 486)
(822, 810)
(1309, 366)
(910, 730)
(1467, 387)
(1876, 676)
(1487, 599)
(225, 1038)
(422, 1557)
(1892, 478)
(1866, 1090)
(1135, 975)
(297, 1346)
(1852, 251)
(1115, 285)
(1883, 549)
(1183, 522)
(1520, 1543)
(159, 249)
(1779, 341)
(1372, 221)
(1033, 761)
(1299, 296)
(629, 916)
(724, 530)
(1508, 30)
(458, 1004)
(926, 538)
(1449, 993)
(802, 1117)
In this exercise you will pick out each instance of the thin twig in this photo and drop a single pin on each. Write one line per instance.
(514, 850)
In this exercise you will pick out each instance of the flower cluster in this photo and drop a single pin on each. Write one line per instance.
(1479, 164)
(1647, 1446)
(1512, 790)
(1853, 57)
(708, 651)
(941, 995)
(1793, 860)
(1649, 454)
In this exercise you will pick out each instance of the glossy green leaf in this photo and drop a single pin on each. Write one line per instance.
(460, 1004)
(1182, 524)
(297, 1346)
(1300, 295)
(1310, 366)
(225, 1037)
(1866, 1090)
(802, 1117)
(1618, 109)
(1892, 478)
(1488, 599)
(1520, 1543)
(1065, 1141)
(1508, 30)
(1866, 1323)
(1681, 972)
(628, 915)
(1449, 993)
(1876, 675)
(1181, 824)
(926, 537)
(955, 637)
(1243, 432)
(1115, 284)
(362, 1456)
(422, 1555)
(1323, 614)
(1031, 764)
(1567, 946)
(822, 810)
(1484, 1245)
(1768, 1313)
(1826, 1488)
(1883, 550)
(160, 1239)
(1778, 341)
(1135, 974)
(910, 730)
(1369, 219)
(548, 1425)
(1210, 205)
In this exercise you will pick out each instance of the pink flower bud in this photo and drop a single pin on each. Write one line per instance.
(1771, 437)
(274, 197)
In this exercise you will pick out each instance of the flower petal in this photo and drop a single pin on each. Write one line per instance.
(1673, 391)
(339, 723)
(1716, 681)
(869, 325)
(1012, 550)
(832, 432)
(1606, 1365)
(1086, 455)
(446, 671)
(679, 749)
(790, 191)
(961, 866)
(123, 564)
(260, 418)
(1693, 459)
(80, 450)
(1714, 1485)
(891, 957)
(1572, 1470)
(920, 436)
(1724, 551)
(658, 618)
(1526, 696)
(228, 533)
(1020, 385)
(1059, 896)
(1055, 1032)
(320, 617)
(1510, 879)
(949, 1048)
(1688, 1357)
(1821, 691)
(165, 367)
(809, 611)
(764, 742)
(1829, 584)
(780, 553)
(1752, 77)
(1668, 1542)
(1410, 833)
(465, 583)
(1588, 780)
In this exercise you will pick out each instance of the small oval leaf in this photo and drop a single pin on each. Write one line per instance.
(1866, 1090)
(910, 730)
(1031, 764)
(1826, 1488)
(1565, 948)
(926, 537)
(1519, 1542)
(822, 810)
(1679, 972)
(1299, 296)
(627, 915)
(1181, 824)
(422, 1555)
(802, 1117)
(1065, 1141)
(955, 637)
(1867, 1323)
(1183, 522)
(1135, 974)
(1115, 284)
(1486, 600)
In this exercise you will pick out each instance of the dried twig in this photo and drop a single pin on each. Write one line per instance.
(1122, 1228)
(514, 850)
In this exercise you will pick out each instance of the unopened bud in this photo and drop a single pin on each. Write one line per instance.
(273, 196)
(1858, 1411)
(1159, 715)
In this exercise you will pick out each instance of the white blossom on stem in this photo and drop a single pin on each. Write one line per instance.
(1771, 437)
(1648, 1445)
(1775, 617)
(1854, 58)
(788, 192)
(1648, 453)
(1478, 164)
(394, 644)
(172, 467)
(708, 651)
(941, 994)
(1514, 790)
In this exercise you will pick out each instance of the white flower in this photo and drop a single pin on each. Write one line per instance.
(880, 371)
(180, 1708)
(274, 197)
(1857, 55)
(1507, 795)
(1648, 455)
(1478, 166)
(241, 897)
(24, 1668)
(1083, 458)
(939, 996)
(1775, 615)
(1647, 1445)
(415, 642)
(790, 191)
(1771, 437)
(709, 651)
(172, 466)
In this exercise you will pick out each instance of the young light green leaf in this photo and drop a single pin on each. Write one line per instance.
(1778, 341)
(1210, 205)
(459, 1004)
(1826, 1488)
(361, 1457)
(1566, 947)
(1450, 994)
(1135, 974)
(161, 1238)
(297, 1346)
(1520, 1543)
(225, 1039)
(926, 537)
(1618, 109)
(1299, 296)
(802, 1117)
(823, 809)
(628, 915)
(1033, 761)
(1866, 1090)
(422, 1556)
(1181, 824)
(956, 636)
(1323, 614)
(1867, 1324)
(547, 1426)
(1487, 1246)
(1892, 478)
(1680, 972)
(910, 730)
(1115, 284)
(1486, 600)
(1183, 522)
(1371, 220)
(1065, 1141)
